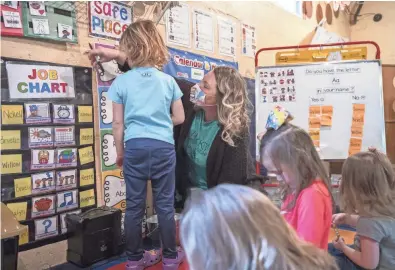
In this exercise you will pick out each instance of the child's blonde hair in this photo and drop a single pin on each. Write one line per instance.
(292, 146)
(235, 227)
(368, 185)
(143, 45)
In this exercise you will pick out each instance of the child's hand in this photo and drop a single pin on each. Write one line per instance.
(339, 219)
(339, 244)
(119, 161)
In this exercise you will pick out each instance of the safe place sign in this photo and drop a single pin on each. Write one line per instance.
(40, 82)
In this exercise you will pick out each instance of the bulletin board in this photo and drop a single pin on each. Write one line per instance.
(340, 104)
(47, 146)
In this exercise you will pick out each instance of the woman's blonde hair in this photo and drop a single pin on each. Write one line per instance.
(143, 45)
(232, 103)
(235, 227)
(292, 147)
(368, 185)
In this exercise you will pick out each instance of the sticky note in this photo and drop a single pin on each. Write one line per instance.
(19, 210)
(10, 139)
(314, 122)
(11, 114)
(358, 120)
(87, 198)
(86, 136)
(87, 177)
(316, 143)
(357, 132)
(327, 110)
(85, 114)
(314, 134)
(24, 236)
(86, 155)
(11, 164)
(355, 146)
(358, 108)
(326, 120)
(314, 110)
(23, 187)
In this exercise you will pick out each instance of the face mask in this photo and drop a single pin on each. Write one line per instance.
(198, 97)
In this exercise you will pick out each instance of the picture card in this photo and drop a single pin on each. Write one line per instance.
(64, 136)
(43, 206)
(67, 200)
(63, 114)
(63, 224)
(37, 113)
(66, 179)
(12, 19)
(37, 8)
(46, 227)
(43, 182)
(42, 159)
(40, 137)
(40, 26)
(65, 31)
(66, 157)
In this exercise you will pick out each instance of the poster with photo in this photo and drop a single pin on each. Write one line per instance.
(178, 26)
(248, 40)
(37, 113)
(40, 137)
(64, 136)
(227, 37)
(63, 225)
(203, 30)
(66, 200)
(66, 157)
(43, 182)
(43, 206)
(42, 159)
(63, 114)
(65, 31)
(66, 179)
(46, 227)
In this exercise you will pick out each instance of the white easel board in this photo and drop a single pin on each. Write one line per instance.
(341, 86)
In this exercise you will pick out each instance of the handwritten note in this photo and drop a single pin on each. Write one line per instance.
(12, 114)
(327, 110)
(86, 155)
(85, 114)
(314, 111)
(314, 134)
(326, 120)
(87, 177)
(24, 236)
(358, 120)
(87, 198)
(11, 164)
(358, 108)
(10, 139)
(19, 210)
(357, 132)
(315, 122)
(86, 136)
(355, 146)
(23, 187)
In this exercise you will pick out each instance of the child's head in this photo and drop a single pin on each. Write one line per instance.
(289, 153)
(368, 185)
(236, 227)
(143, 45)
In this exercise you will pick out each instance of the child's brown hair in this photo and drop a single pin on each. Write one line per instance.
(368, 185)
(143, 45)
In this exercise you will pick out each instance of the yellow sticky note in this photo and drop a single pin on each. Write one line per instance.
(87, 198)
(10, 139)
(87, 177)
(85, 114)
(86, 136)
(23, 187)
(11, 164)
(24, 236)
(86, 155)
(11, 114)
(19, 210)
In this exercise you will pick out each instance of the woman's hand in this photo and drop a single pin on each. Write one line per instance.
(104, 54)
(339, 219)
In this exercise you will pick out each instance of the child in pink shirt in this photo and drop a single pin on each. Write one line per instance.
(289, 153)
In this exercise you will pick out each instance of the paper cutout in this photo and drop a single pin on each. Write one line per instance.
(19, 210)
(37, 8)
(314, 122)
(40, 137)
(114, 189)
(42, 159)
(66, 157)
(64, 136)
(108, 151)
(87, 177)
(63, 114)
(67, 200)
(37, 113)
(314, 111)
(65, 31)
(23, 187)
(10, 139)
(356, 132)
(86, 136)
(24, 236)
(11, 164)
(63, 225)
(43, 182)
(86, 155)
(12, 19)
(314, 134)
(11, 114)
(46, 227)
(66, 179)
(40, 26)
(43, 206)
(85, 114)
(87, 198)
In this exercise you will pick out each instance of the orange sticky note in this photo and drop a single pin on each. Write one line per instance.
(358, 108)
(326, 120)
(316, 143)
(358, 120)
(314, 134)
(327, 110)
(314, 110)
(314, 122)
(355, 145)
(356, 132)
(353, 151)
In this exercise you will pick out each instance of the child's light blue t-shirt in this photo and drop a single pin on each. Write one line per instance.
(147, 95)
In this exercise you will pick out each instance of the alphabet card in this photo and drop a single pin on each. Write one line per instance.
(66, 179)
(43, 206)
(43, 182)
(63, 114)
(40, 137)
(40, 26)
(64, 136)
(42, 159)
(46, 227)
(67, 200)
(37, 113)
(66, 157)
(37, 8)
(63, 224)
